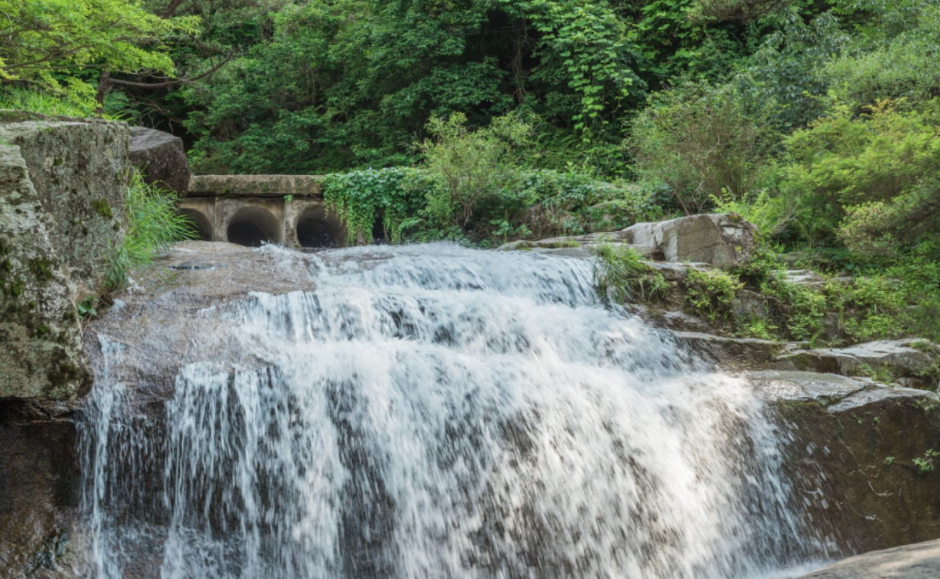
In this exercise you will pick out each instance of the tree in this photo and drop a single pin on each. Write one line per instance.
(56, 45)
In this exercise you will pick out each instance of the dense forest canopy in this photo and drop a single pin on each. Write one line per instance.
(487, 120)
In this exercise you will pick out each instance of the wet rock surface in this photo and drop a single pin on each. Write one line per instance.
(918, 561)
(38, 488)
(853, 452)
(908, 359)
(158, 319)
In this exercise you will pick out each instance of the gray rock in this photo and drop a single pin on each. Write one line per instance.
(908, 358)
(733, 353)
(804, 277)
(917, 561)
(850, 451)
(161, 159)
(77, 169)
(39, 494)
(806, 386)
(719, 239)
(42, 355)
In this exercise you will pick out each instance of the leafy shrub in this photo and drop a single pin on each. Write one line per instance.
(361, 198)
(803, 308)
(772, 213)
(711, 293)
(153, 224)
(741, 10)
(781, 76)
(570, 203)
(925, 464)
(476, 170)
(870, 181)
(702, 142)
(901, 67)
(620, 274)
(879, 302)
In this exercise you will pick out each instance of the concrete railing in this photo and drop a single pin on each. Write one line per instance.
(256, 186)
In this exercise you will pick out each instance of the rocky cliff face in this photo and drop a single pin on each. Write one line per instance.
(62, 190)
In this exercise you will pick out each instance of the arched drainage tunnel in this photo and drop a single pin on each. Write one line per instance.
(200, 224)
(253, 226)
(315, 229)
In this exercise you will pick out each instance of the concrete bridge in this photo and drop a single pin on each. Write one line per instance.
(254, 209)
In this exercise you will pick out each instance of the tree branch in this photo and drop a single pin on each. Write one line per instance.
(171, 9)
(176, 82)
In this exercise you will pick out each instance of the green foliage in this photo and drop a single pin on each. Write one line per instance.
(587, 43)
(474, 169)
(770, 212)
(782, 77)
(621, 275)
(879, 302)
(711, 293)
(869, 180)
(803, 308)
(902, 66)
(703, 142)
(760, 328)
(56, 45)
(471, 187)
(362, 198)
(925, 464)
(153, 225)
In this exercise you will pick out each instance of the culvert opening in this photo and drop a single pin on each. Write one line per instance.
(253, 226)
(315, 233)
(200, 224)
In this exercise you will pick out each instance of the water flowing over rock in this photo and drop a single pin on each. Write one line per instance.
(425, 411)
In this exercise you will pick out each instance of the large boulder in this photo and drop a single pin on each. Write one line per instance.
(719, 239)
(61, 205)
(62, 195)
(62, 208)
(859, 458)
(161, 159)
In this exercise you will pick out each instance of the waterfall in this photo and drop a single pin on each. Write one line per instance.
(433, 411)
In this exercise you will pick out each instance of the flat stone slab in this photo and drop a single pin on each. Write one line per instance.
(918, 561)
(838, 393)
(907, 358)
(255, 185)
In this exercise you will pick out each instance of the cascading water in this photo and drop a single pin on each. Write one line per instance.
(433, 411)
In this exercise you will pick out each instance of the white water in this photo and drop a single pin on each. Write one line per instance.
(433, 412)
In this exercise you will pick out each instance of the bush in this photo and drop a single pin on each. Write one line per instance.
(571, 203)
(476, 171)
(702, 142)
(153, 224)
(903, 67)
(621, 275)
(361, 198)
(868, 181)
(711, 293)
